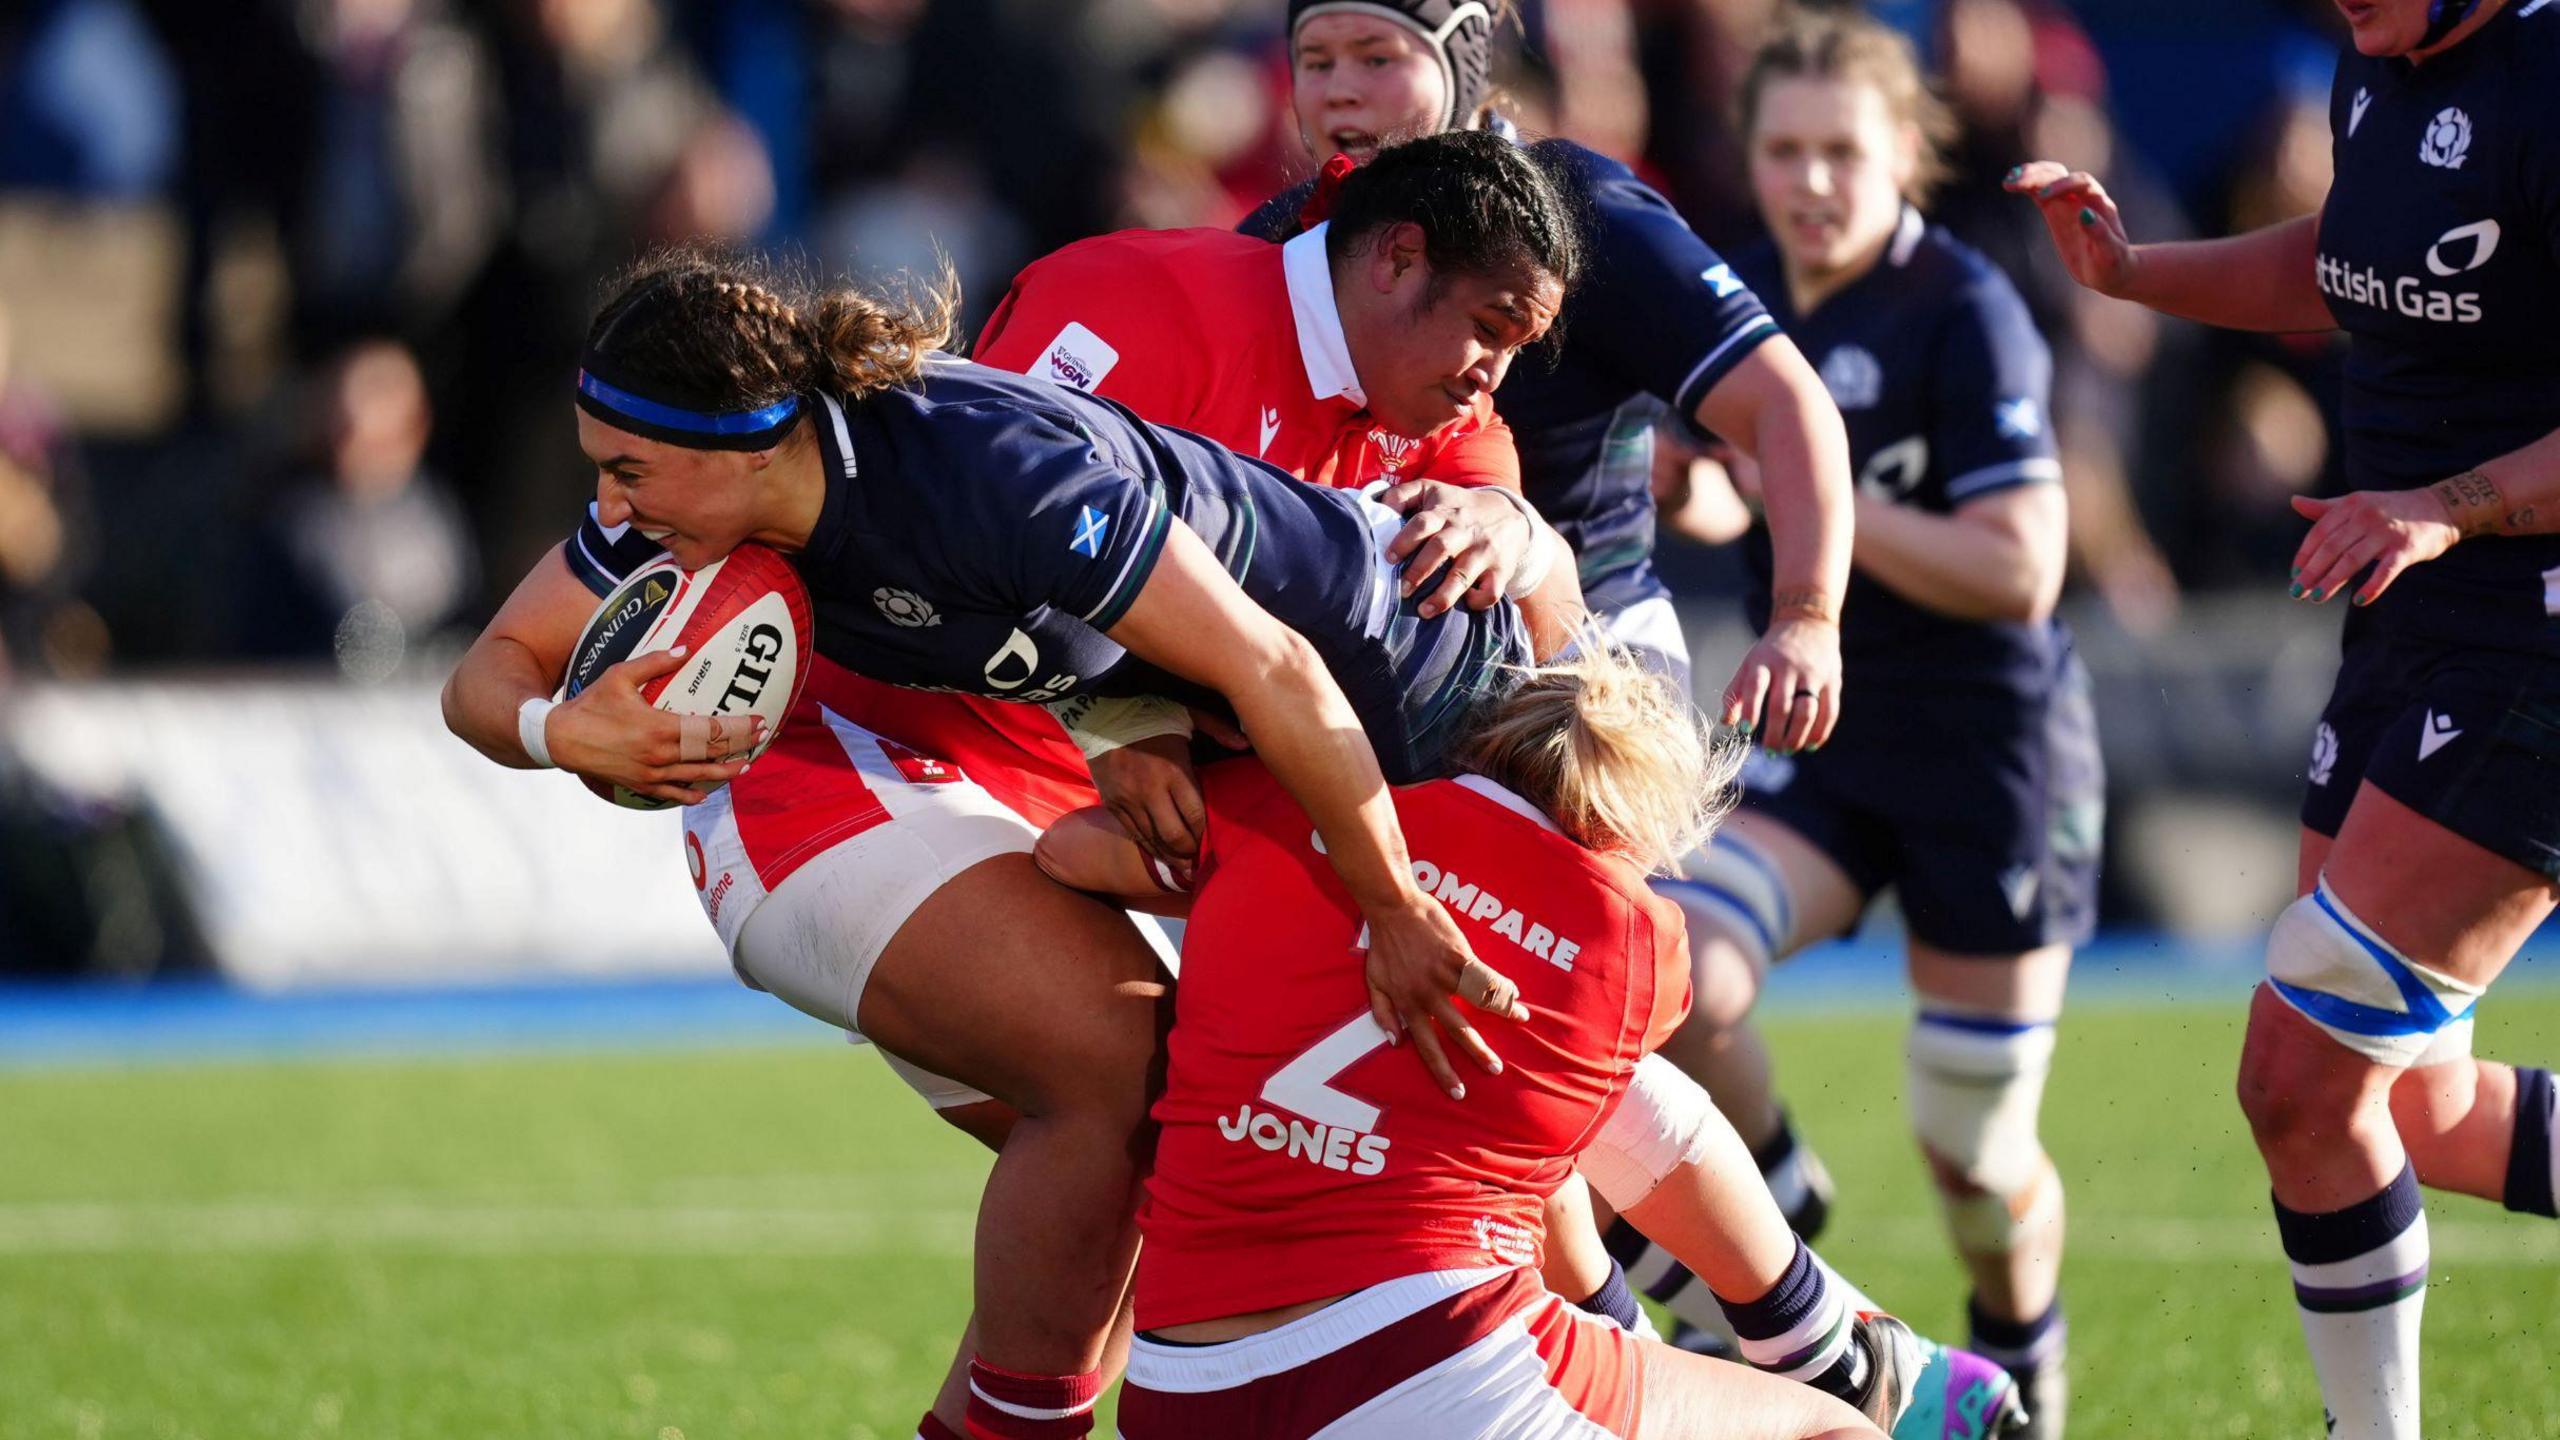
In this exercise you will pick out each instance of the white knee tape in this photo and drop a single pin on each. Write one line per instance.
(1734, 888)
(1659, 1125)
(1988, 1224)
(1976, 1085)
(2331, 967)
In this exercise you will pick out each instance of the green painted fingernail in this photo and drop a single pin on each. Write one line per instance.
(2088, 216)
(2014, 172)
(2297, 572)
(2297, 592)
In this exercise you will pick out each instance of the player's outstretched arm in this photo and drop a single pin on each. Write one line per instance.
(1191, 619)
(2380, 533)
(608, 732)
(1772, 408)
(2267, 279)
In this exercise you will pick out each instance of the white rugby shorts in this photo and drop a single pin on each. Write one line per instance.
(809, 875)
(1477, 1353)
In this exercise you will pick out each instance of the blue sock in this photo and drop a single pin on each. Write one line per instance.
(2360, 1283)
(1614, 1301)
(1799, 1329)
(2532, 1164)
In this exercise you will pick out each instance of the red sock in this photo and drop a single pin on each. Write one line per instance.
(930, 1428)
(1007, 1406)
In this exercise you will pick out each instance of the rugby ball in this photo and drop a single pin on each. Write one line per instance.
(746, 626)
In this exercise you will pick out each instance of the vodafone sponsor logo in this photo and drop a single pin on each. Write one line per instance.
(693, 859)
(1475, 903)
(1335, 1147)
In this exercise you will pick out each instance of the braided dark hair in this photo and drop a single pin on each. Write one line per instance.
(721, 332)
(1485, 205)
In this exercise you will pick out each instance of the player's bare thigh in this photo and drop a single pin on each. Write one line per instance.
(2449, 903)
(2025, 986)
(1011, 984)
(1690, 1397)
(1821, 899)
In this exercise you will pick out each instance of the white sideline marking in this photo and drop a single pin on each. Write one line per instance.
(2176, 1241)
(256, 1226)
(463, 1229)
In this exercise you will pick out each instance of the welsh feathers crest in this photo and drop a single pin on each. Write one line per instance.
(2447, 142)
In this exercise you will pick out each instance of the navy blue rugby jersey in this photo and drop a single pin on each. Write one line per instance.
(981, 530)
(1658, 319)
(2440, 257)
(1942, 381)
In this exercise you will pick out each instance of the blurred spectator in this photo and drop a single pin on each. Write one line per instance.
(89, 106)
(404, 198)
(2026, 83)
(44, 628)
(601, 111)
(1691, 54)
(2272, 399)
(364, 554)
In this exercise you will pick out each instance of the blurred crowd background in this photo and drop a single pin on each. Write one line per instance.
(290, 291)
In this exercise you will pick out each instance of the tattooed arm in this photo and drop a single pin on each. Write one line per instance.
(2390, 530)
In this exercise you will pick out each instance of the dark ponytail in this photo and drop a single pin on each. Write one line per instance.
(1486, 206)
(726, 334)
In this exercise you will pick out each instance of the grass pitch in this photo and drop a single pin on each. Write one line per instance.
(774, 1242)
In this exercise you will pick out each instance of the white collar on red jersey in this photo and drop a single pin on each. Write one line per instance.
(1505, 797)
(1320, 339)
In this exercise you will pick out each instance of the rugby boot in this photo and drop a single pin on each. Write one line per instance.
(1918, 1389)
(2045, 1389)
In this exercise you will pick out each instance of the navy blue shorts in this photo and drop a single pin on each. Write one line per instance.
(1982, 809)
(2468, 738)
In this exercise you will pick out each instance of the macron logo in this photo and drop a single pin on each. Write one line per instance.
(1721, 280)
(1270, 428)
(2439, 732)
(2355, 111)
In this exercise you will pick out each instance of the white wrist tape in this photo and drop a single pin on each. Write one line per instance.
(530, 718)
(1540, 557)
(1543, 547)
(1101, 724)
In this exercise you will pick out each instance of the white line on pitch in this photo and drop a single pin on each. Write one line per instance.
(2202, 1240)
(236, 1227)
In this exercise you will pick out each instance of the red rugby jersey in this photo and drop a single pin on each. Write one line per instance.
(1232, 338)
(1301, 1156)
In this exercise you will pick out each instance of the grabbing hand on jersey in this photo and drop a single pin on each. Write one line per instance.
(1148, 786)
(2087, 231)
(1462, 542)
(2389, 530)
(1414, 972)
(607, 732)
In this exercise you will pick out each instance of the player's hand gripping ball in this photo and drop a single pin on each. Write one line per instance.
(746, 627)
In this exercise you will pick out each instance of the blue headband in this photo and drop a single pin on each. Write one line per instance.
(697, 429)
